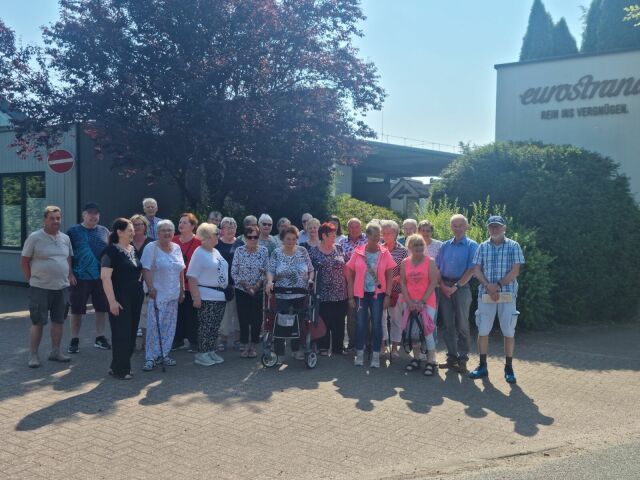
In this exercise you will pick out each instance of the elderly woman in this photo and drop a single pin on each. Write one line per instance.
(283, 223)
(328, 262)
(209, 275)
(266, 240)
(227, 246)
(248, 271)
(120, 274)
(390, 232)
(418, 279)
(336, 223)
(163, 272)
(409, 227)
(432, 246)
(313, 240)
(140, 241)
(187, 326)
(289, 267)
(369, 280)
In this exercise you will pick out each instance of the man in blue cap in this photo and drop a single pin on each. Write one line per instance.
(497, 265)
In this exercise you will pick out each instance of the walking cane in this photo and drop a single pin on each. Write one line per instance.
(157, 312)
(389, 337)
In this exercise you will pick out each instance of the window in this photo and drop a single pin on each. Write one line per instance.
(22, 201)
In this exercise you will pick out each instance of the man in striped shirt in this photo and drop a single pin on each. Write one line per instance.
(497, 265)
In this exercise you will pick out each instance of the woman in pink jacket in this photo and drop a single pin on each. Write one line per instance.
(369, 285)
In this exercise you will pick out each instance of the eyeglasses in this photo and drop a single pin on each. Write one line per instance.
(251, 237)
(266, 224)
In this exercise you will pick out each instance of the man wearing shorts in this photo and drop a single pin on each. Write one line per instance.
(497, 265)
(46, 264)
(89, 241)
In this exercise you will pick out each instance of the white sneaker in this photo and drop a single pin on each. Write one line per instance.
(375, 360)
(202, 359)
(358, 361)
(215, 358)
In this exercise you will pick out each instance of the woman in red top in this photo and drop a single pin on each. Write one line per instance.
(187, 325)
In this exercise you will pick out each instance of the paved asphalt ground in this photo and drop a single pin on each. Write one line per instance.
(573, 414)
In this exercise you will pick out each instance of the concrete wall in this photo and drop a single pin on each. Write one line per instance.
(585, 121)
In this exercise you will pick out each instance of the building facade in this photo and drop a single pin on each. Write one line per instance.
(591, 101)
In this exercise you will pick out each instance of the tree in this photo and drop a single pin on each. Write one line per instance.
(538, 40)
(563, 41)
(590, 33)
(633, 14)
(581, 209)
(254, 99)
(606, 30)
(14, 67)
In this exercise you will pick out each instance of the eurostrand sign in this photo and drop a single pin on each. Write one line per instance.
(586, 88)
(588, 100)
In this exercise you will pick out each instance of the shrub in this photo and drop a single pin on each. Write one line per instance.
(535, 284)
(346, 207)
(581, 210)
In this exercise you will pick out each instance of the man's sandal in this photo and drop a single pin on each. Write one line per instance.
(430, 369)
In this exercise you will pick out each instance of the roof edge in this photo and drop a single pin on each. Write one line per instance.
(566, 57)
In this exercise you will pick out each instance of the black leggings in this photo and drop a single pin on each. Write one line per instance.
(123, 330)
(333, 314)
(249, 315)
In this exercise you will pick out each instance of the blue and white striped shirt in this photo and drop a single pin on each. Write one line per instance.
(497, 261)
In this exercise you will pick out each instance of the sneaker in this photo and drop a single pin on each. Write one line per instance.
(509, 375)
(375, 360)
(203, 359)
(298, 355)
(169, 362)
(74, 345)
(148, 366)
(102, 343)
(215, 358)
(59, 357)
(480, 372)
(34, 361)
(358, 361)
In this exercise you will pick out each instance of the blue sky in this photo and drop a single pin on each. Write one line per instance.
(435, 58)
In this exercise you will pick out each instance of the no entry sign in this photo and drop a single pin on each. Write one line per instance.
(60, 161)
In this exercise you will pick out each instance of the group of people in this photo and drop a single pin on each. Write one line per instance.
(205, 285)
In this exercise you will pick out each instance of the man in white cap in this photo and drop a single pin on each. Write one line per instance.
(497, 265)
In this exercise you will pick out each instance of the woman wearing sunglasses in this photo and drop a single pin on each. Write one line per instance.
(248, 271)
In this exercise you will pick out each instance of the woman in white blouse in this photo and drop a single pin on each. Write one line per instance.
(208, 276)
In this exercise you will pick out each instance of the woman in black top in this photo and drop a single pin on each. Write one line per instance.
(120, 274)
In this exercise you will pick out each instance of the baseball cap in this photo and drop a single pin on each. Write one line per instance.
(91, 206)
(496, 219)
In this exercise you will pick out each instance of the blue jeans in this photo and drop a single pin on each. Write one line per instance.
(363, 306)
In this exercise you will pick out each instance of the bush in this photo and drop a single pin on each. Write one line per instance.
(346, 208)
(581, 210)
(535, 283)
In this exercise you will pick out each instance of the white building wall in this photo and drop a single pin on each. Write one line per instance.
(563, 120)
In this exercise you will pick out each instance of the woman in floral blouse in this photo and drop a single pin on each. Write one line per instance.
(328, 260)
(248, 270)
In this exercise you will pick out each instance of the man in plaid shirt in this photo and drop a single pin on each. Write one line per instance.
(497, 265)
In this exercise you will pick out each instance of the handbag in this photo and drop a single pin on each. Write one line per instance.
(286, 319)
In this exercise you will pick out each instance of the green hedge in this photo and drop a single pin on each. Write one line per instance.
(535, 283)
(582, 212)
(346, 207)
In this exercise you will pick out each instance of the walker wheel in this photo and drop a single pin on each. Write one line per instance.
(269, 359)
(311, 359)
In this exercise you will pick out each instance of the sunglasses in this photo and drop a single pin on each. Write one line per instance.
(251, 237)
(266, 224)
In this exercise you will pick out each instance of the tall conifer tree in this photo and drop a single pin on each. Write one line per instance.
(613, 32)
(538, 41)
(563, 41)
(590, 33)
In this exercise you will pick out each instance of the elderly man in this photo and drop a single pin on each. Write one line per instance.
(353, 240)
(89, 241)
(265, 239)
(303, 237)
(409, 227)
(150, 207)
(455, 262)
(497, 265)
(46, 264)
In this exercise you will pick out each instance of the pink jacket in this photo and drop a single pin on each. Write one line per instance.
(358, 264)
